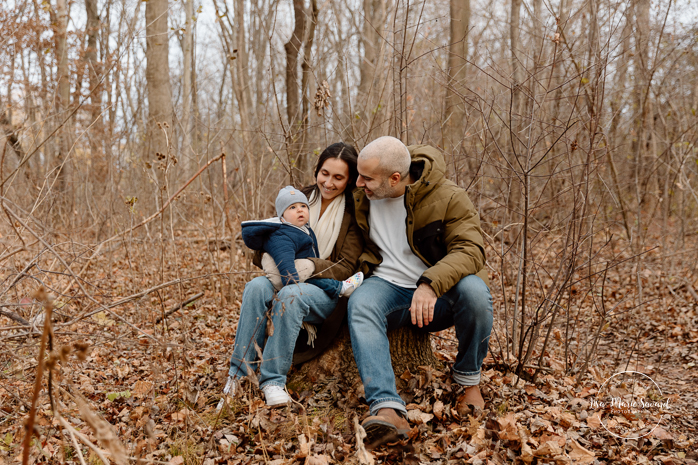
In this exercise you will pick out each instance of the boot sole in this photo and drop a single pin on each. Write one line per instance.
(379, 432)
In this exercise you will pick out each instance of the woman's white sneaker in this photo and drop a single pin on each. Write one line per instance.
(275, 395)
(348, 285)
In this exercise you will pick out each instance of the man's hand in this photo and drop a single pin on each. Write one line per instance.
(422, 308)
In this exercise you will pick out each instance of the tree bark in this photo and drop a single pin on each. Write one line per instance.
(157, 75)
(63, 95)
(642, 104)
(454, 109)
(293, 47)
(408, 350)
(374, 18)
(515, 116)
(514, 28)
(95, 71)
(303, 157)
(187, 42)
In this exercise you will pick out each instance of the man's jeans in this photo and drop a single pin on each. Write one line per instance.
(292, 305)
(378, 306)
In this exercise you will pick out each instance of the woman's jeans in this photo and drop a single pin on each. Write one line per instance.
(288, 309)
(378, 306)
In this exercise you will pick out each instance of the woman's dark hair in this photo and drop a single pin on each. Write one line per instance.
(348, 155)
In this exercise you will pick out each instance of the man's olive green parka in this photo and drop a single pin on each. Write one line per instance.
(442, 225)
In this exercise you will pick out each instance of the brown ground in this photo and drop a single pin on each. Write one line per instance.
(157, 384)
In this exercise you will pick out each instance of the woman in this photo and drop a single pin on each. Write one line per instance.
(339, 243)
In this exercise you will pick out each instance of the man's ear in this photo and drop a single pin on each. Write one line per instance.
(394, 179)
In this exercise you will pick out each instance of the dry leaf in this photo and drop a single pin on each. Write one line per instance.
(141, 388)
(123, 370)
(303, 446)
(417, 416)
(507, 423)
(526, 453)
(594, 421)
(549, 449)
(180, 416)
(552, 437)
(661, 433)
(567, 420)
(538, 424)
(177, 460)
(438, 409)
(86, 384)
(364, 456)
(579, 454)
(317, 460)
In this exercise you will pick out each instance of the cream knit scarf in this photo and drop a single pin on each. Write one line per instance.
(327, 226)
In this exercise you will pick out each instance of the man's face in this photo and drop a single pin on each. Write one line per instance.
(297, 214)
(375, 183)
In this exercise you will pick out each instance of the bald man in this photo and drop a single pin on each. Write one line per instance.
(425, 257)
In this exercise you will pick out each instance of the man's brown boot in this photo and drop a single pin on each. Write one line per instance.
(385, 426)
(470, 401)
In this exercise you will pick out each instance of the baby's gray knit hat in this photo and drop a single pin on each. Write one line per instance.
(287, 197)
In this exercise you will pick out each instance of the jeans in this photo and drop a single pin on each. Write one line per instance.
(291, 306)
(378, 306)
(332, 287)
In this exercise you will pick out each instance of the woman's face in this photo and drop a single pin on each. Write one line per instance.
(332, 178)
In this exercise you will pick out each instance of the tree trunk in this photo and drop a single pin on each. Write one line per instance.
(642, 104)
(293, 47)
(374, 19)
(408, 350)
(95, 71)
(157, 75)
(63, 98)
(454, 109)
(514, 28)
(303, 157)
(186, 154)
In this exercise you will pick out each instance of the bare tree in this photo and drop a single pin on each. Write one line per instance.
(157, 76)
(293, 49)
(374, 16)
(95, 70)
(454, 109)
(187, 50)
(63, 95)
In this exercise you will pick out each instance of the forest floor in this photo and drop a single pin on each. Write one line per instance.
(138, 389)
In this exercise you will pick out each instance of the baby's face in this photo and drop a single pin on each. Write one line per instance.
(297, 214)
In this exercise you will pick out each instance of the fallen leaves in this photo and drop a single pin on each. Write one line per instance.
(158, 402)
(580, 455)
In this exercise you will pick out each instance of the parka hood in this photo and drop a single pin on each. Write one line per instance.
(428, 168)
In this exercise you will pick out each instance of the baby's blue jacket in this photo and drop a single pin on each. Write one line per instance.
(283, 241)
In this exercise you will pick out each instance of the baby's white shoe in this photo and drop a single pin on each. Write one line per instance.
(349, 285)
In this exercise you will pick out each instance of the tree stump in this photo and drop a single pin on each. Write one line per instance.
(409, 350)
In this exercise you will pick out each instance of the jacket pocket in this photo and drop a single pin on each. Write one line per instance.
(429, 241)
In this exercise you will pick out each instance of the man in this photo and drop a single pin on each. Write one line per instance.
(425, 253)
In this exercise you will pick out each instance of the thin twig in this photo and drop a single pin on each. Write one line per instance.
(180, 305)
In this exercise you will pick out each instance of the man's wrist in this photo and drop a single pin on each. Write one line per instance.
(426, 282)
(423, 280)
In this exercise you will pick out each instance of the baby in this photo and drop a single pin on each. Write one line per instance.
(288, 237)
